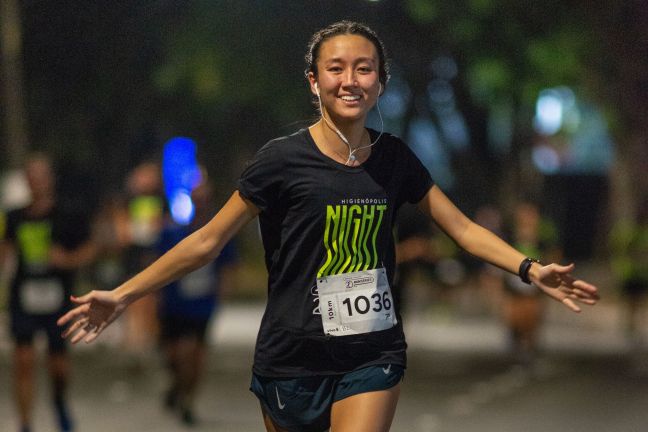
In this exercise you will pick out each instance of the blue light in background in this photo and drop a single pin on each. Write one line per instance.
(180, 174)
(576, 137)
(426, 144)
(549, 113)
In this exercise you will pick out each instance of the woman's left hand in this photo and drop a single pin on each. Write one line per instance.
(557, 282)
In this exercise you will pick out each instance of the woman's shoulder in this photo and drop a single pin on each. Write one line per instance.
(388, 142)
(275, 153)
(282, 143)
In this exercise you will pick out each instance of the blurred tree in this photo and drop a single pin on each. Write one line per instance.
(508, 51)
(108, 83)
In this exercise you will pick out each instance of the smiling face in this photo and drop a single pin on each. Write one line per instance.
(347, 77)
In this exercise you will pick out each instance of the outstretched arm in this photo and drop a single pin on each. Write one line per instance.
(553, 279)
(98, 309)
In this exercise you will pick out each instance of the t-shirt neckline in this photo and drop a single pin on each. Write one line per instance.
(359, 168)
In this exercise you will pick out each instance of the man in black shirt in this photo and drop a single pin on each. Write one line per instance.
(49, 244)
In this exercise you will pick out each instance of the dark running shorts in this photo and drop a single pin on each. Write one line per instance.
(304, 404)
(174, 327)
(25, 326)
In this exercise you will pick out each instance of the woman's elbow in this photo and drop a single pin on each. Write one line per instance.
(208, 247)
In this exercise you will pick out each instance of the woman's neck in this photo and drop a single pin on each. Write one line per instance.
(352, 152)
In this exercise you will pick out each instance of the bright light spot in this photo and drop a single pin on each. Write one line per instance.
(182, 208)
(14, 190)
(549, 113)
(181, 174)
(546, 159)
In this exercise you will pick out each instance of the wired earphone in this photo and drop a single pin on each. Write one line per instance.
(352, 156)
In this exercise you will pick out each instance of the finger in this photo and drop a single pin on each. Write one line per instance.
(102, 326)
(78, 336)
(72, 314)
(74, 327)
(86, 298)
(581, 299)
(585, 294)
(564, 269)
(92, 335)
(570, 304)
(590, 302)
(582, 285)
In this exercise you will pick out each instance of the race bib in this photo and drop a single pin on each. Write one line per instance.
(198, 283)
(41, 296)
(355, 303)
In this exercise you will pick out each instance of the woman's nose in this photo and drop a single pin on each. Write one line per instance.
(349, 79)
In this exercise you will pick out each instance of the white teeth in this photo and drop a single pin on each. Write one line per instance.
(350, 98)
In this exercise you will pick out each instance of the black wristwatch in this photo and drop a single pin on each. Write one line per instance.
(525, 266)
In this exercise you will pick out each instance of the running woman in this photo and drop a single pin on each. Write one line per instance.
(331, 350)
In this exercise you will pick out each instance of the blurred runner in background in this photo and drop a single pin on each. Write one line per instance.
(629, 241)
(145, 214)
(50, 243)
(523, 303)
(186, 308)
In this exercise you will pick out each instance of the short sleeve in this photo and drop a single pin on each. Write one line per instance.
(418, 180)
(262, 179)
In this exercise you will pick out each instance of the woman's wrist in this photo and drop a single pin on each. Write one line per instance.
(534, 271)
(525, 269)
(123, 295)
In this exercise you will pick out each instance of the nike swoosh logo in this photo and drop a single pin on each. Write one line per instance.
(281, 406)
(387, 370)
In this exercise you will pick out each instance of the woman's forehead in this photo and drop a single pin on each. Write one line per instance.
(347, 46)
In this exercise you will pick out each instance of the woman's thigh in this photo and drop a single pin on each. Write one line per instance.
(268, 423)
(365, 412)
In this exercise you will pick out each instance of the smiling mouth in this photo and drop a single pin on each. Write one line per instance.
(350, 98)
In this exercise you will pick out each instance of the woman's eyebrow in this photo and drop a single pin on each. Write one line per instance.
(358, 60)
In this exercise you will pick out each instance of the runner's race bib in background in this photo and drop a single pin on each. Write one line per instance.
(41, 296)
(199, 283)
(519, 287)
(355, 303)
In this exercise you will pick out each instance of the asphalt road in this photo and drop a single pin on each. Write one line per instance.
(443, 391)
(459, 379)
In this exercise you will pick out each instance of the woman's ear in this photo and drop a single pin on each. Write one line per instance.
(313, 83)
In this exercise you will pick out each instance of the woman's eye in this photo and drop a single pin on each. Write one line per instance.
(364, 69)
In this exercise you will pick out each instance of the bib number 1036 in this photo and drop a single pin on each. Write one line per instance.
(354, 303)
(363, 305)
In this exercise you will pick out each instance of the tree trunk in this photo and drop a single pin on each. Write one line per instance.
(11, 74)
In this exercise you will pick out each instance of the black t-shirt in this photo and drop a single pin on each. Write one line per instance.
(320, 218)
(33, 238)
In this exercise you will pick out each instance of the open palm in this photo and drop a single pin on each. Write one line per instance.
(558, 283)
(95, 312)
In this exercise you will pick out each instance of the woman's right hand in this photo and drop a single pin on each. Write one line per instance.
(96, 310)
